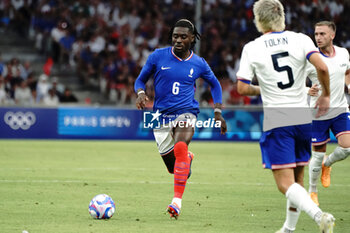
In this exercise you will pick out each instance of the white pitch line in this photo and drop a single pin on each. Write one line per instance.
(73, 169)
(147, 182)
(99, 169)
(128, 182)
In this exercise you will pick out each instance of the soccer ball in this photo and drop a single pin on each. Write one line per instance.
(101, 207)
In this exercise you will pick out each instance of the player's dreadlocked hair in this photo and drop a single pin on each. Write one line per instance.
(187, 24)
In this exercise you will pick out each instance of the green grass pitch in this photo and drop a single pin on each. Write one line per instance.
(46, 186)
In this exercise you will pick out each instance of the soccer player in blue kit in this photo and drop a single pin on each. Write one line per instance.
(175, 70)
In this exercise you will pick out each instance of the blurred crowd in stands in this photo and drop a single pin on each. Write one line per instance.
(106, 42)
(18, 86)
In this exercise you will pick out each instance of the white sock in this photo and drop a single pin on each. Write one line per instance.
(298, 196)
(315, 167)
(291, 217)
(338, 154)
(177, 201)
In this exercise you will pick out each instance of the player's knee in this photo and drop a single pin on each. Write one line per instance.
(282, 187)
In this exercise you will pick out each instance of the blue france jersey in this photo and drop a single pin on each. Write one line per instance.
(174, 81)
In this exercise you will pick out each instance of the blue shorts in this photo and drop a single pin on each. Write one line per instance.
(286, 147)
(320, 129)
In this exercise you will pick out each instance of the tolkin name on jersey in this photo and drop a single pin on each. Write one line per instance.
(276, 41)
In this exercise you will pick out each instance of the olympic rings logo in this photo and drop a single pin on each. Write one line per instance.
(20, 120)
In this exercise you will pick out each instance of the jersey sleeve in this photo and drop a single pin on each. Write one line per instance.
(214, 83)
(308, 46)
(146, 72)
(246, 71)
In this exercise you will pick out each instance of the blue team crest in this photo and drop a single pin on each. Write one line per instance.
(151, 120)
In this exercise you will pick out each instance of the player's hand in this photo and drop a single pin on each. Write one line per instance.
(313, 91)
(218, 117)
(141, 101)
(322, 104)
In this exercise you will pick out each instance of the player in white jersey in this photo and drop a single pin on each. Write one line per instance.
(338, 118)
(278, 59)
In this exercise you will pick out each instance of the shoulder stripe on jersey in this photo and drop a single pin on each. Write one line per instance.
(189, 57)
(244, 80)
(310, 53)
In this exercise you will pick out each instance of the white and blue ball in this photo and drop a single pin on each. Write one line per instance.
(102, 207)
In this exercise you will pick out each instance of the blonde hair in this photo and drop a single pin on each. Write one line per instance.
(269, 16)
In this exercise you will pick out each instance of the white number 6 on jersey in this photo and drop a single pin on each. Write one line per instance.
(176, 88)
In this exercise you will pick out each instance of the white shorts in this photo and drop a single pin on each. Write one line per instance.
(164, 135)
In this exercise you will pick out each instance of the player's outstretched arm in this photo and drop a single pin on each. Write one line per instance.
(218, 117)
(322, 102)
(141, 99)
